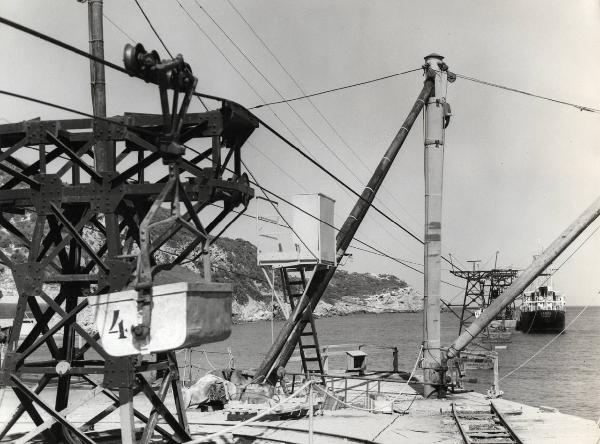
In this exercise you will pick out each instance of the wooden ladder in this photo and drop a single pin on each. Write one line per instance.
(294, 284)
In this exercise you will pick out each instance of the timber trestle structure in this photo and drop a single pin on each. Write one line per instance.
(89, 217)
(294, 282)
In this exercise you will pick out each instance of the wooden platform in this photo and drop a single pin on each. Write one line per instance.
(426, 421)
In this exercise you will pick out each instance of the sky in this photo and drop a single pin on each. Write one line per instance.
(518, 170)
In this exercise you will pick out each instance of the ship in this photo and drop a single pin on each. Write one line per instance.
(542, 310)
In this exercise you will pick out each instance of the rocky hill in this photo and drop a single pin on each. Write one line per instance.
(234, 261)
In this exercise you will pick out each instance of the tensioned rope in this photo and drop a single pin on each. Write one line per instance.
(377, 251)
(153, 28)
(119, 28)
(141, 129)
(300, 117)
(239, 73)
(527, 93)
(71, 48)
(53, 105)
(461, 76)
(546, 345)
(339, 88)
(208, 96)
(268, 127)
(276, 90)
(313, 104)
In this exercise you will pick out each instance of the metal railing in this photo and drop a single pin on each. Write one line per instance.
(351, 389)
(333, 350)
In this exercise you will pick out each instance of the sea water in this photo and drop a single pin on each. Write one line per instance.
(564, 375)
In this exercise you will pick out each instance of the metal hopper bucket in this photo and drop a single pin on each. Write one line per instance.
(184, 314)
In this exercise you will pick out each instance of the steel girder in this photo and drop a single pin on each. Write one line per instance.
(85, 226)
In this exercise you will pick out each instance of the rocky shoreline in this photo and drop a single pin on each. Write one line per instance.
(401, 300)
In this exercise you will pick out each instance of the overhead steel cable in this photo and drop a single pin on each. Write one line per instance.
(276, 165)
(570, 323)
(381, 254)
(334, 177)
(266, 79)
(246, 81)
(153, 28)
(352, 85)
(62, 44)
(299, 87)
(267, 191)
(309, 127)
(53, 105)
(109, 64)
(118, 28)
(201, 95)
(527, 93)
(74, 111)
(71, 48)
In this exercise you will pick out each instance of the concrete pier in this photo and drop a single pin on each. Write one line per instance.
(426, 421)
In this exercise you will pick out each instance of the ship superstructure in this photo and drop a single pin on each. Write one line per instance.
(542, 310)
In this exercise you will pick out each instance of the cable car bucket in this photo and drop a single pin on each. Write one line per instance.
(154, 318)
(149, 318)
(182, 315)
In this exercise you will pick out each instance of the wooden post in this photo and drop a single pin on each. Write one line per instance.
(434, 161)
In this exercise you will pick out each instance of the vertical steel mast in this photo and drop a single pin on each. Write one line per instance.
(436, 118)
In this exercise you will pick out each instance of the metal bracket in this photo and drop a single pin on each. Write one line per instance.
(29, 277)
(105, 198)
(119, 373)
(8, 367)
(35, 130)
(119, 274)
(50, 192)
(104, 130)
